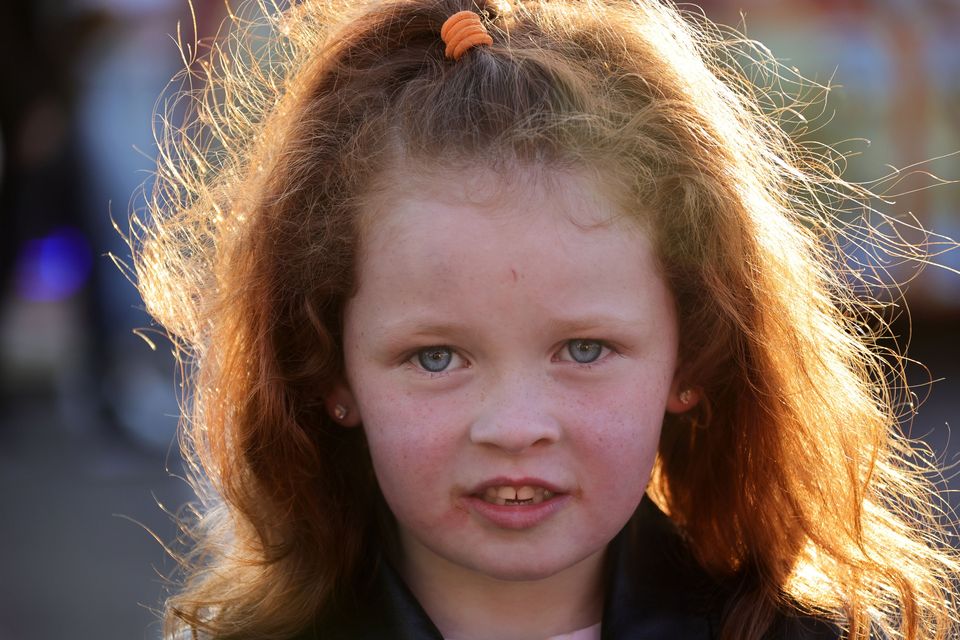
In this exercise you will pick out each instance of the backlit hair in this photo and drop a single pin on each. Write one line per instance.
(790, 482)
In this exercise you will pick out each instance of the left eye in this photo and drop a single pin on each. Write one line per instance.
(583, 351)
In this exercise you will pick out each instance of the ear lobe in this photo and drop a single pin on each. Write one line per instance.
(682, 398)
(341, 406)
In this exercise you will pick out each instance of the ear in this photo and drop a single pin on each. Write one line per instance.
(683, 396)
(341, 406)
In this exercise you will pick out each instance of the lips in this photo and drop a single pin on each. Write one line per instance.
(520, 503)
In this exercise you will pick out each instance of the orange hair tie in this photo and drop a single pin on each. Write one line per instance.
(463, 31)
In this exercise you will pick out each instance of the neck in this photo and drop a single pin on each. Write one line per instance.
(465, 605)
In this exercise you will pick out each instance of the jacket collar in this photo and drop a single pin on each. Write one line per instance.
(654, 588)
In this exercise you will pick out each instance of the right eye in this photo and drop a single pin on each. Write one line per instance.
(434, 359)
(585, 351)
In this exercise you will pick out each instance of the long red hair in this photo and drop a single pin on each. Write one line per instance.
(791, 479)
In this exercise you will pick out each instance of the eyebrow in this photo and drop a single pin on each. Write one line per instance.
(592, 322)
(413, 326)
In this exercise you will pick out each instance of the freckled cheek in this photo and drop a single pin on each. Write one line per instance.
(620, 438)
(617, 431)
(413, 445)
(405, 421)
(613, 472)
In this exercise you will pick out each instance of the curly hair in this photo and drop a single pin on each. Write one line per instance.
(792, 479)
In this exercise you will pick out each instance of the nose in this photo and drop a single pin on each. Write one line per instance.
(517, 415)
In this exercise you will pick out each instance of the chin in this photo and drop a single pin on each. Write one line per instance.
(525, 568)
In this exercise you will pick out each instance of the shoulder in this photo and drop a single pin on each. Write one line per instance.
(655, 577)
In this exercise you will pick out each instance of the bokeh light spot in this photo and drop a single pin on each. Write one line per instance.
(55, 266)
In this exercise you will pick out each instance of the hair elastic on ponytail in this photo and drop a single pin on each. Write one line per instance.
(463, 31)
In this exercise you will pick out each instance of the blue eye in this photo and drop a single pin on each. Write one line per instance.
(435, 359)
(584, 351)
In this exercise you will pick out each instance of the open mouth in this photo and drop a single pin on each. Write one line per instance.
(507, 495)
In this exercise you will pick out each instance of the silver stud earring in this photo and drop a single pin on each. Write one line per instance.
(340, 412)
(686, 396)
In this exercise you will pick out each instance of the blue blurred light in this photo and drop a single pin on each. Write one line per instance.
(55, 266)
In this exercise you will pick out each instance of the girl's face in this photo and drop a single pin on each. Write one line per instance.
(510, 352)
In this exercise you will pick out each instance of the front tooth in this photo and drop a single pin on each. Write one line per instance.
(525, 493)
(507, 493)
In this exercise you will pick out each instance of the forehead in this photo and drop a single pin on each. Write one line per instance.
(555, 233)
(585, 198)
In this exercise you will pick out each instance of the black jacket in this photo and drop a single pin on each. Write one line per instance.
(655, 591)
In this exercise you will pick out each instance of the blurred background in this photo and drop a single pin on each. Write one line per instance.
(88, 411)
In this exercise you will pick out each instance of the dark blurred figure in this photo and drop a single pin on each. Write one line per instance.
(39, 180)
(48, 258)
(80, 83)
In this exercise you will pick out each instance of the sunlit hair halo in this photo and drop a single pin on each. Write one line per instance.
(461, 32)
(796, 490)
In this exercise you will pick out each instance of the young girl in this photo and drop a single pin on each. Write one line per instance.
(523, 322)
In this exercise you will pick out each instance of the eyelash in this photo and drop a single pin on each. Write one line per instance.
(415, 359)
